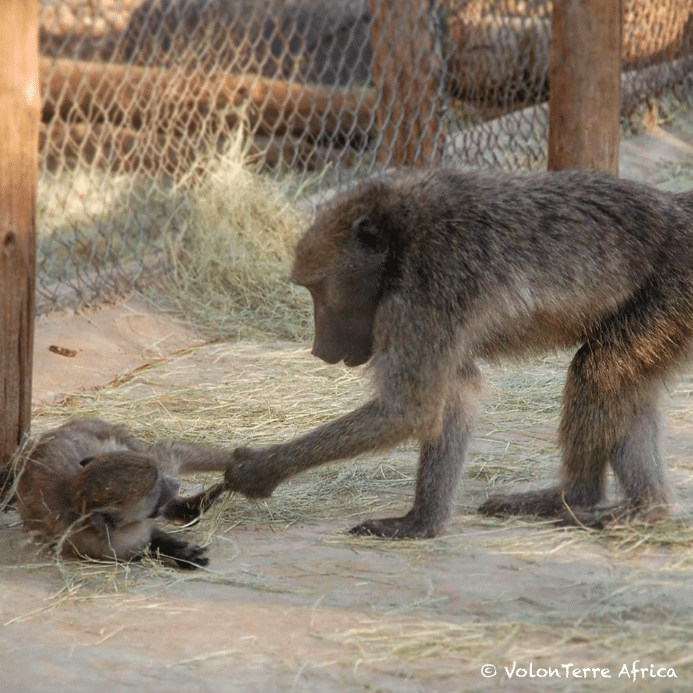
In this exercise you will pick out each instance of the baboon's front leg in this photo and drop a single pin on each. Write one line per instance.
(257, 472)
(440, 465)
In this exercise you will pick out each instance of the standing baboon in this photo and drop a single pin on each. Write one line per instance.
(424, 272)
(96, 488)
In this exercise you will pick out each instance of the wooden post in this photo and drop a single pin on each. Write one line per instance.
(585, 84)
(407, 71)
(19, 122)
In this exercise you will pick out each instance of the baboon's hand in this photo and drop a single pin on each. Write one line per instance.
(181, 553)
(247, 473)
(189, 509)
(190, 557)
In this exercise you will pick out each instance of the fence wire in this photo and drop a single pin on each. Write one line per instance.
(138, 94)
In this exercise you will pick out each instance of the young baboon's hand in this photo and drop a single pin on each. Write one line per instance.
(246, 473)
(183, 554)
(189, 509)
(190, 557)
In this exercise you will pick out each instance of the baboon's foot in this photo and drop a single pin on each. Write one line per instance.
(546, 503)
(407, 527)
(607, 516)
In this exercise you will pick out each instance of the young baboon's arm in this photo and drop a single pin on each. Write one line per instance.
(185, 555)
(189, 508)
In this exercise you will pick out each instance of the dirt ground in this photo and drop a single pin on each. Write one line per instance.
(291, 602)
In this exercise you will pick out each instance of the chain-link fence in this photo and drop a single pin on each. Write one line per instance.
(138, 94)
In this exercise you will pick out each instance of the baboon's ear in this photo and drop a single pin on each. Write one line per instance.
(369, 235)
(104, 520)
(86, 461)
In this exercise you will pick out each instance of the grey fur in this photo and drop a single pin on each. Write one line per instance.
(424, 272)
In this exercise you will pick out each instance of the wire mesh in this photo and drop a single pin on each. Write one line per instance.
(138, 94)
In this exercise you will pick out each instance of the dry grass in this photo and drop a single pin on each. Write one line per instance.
(229, 268)
(251, 394)
(229, 275)
(255, 393)
(439, 650)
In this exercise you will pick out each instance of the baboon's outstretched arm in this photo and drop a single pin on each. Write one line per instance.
(180, 457)
(257, 472)
(443, 435)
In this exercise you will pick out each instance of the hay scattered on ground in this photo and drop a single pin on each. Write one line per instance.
(253, 393)
(229, 269)
(257, 394)
(460, 648)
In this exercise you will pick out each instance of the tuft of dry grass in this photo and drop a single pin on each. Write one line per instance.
(473, 647)
(229, 268)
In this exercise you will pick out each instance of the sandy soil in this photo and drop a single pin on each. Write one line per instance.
(301, 606)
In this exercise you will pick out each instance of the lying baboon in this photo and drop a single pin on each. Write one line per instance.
(96, 487)
(423, 272)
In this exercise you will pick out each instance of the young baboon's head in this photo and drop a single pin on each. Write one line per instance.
(122, 487)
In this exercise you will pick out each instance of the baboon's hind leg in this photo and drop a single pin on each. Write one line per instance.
(610, 416)
(587, 424)
(639, 469)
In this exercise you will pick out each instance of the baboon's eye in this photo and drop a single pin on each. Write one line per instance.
(86, 461)
(369, 235)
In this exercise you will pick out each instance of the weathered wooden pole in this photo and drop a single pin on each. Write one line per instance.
(19, 122)
(407, 71)
(585, 84)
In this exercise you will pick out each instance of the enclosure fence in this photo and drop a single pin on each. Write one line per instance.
(139, 95)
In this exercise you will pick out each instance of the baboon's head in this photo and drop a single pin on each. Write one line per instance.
(118, 488)
(345, 260)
